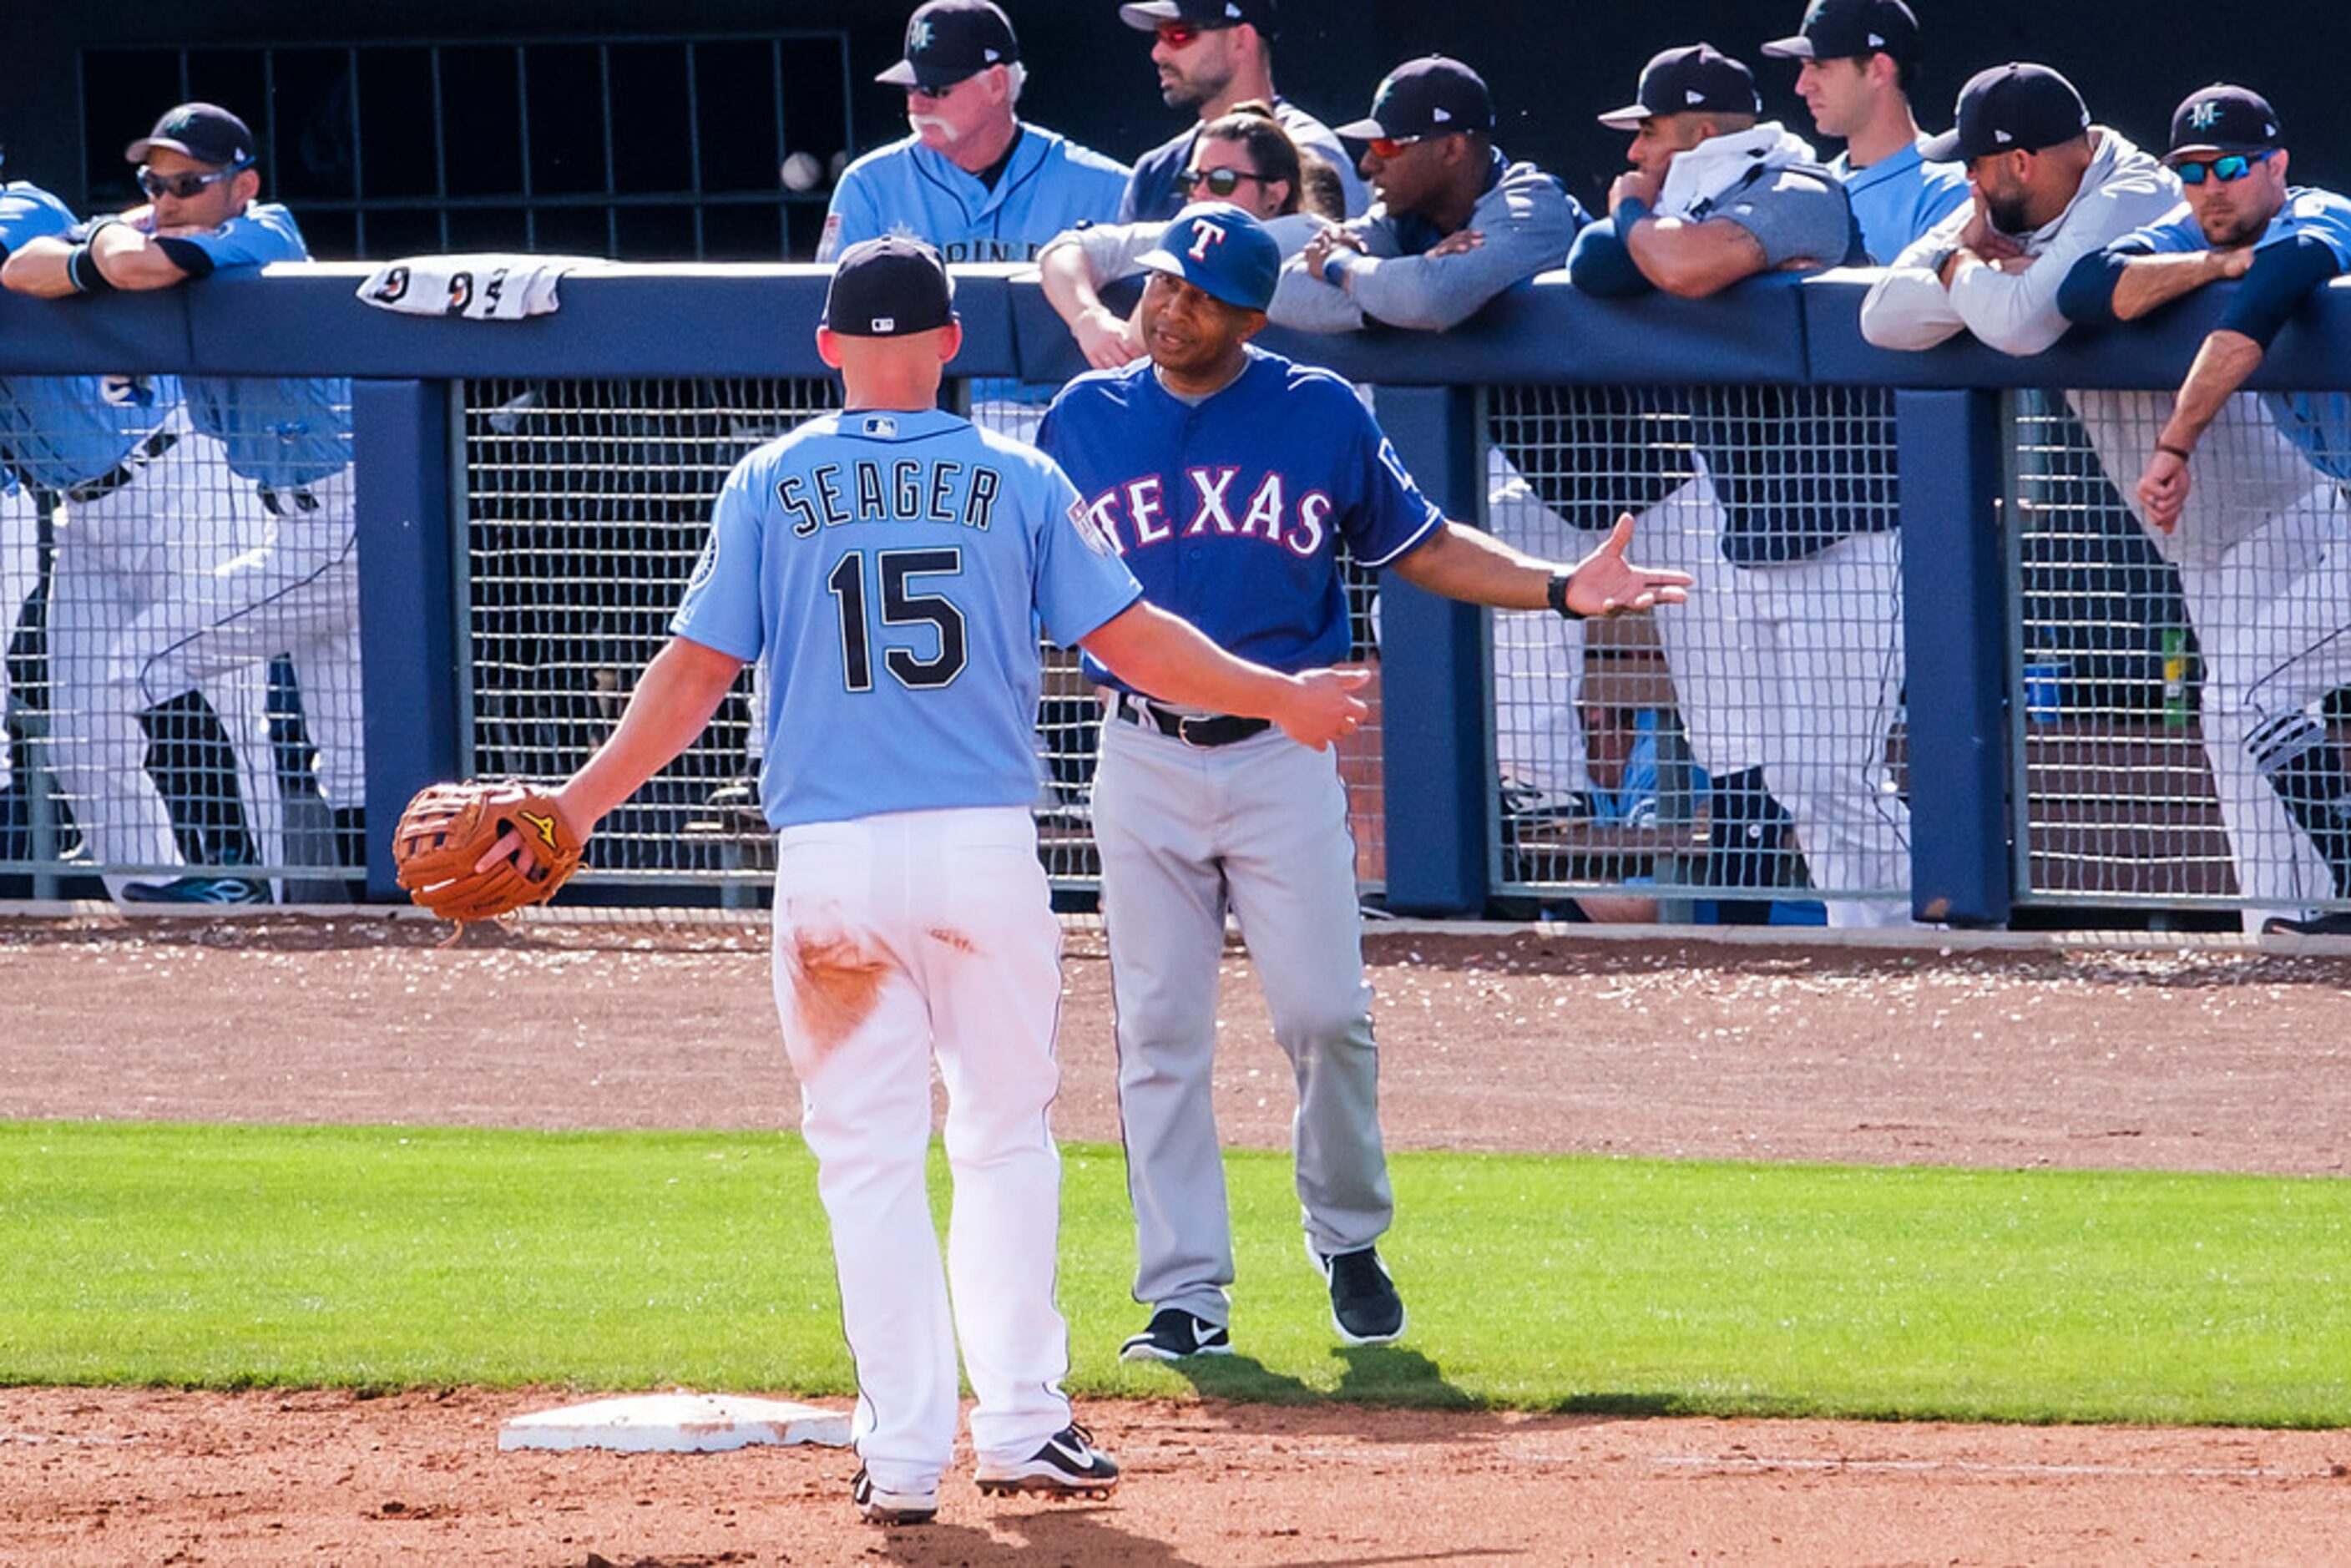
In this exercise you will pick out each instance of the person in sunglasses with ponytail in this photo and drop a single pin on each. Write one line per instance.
(1454, 223)
(1245, 157)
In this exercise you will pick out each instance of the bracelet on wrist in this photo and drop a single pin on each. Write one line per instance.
(1557, 594)
(2179, 451)
(82, 271)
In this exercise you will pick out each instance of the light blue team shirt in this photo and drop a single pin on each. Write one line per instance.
(2318, 423)
(1049, 184)
(1897, 199)
(895, 570)
(279, 431)
(57, 432)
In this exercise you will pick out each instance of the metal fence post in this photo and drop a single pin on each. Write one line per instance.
(1955, 616)
(1433, 678)
(408, 633)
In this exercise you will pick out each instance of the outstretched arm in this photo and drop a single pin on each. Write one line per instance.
(1461, 562)
(1166, 656)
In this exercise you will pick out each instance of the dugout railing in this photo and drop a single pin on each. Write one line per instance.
(530, 495)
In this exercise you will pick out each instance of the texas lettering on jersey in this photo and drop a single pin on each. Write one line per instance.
(901, 490)
(1140, 512)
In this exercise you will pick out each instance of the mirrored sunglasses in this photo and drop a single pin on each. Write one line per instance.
(182, 186)
(2234, 167)
(1221, 182)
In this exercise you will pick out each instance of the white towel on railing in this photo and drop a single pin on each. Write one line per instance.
(489, 287)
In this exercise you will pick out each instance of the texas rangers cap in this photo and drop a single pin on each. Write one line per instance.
(888, 287)
(1220, 250)
(1262, 15)
(948, 40)
(1696, 80)
(1432, 96)
(1841, 29)
(2014, 108)
(2219, 119)
(203, 132)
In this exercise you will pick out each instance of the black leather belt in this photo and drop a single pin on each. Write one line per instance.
(124, 472)
(1206, 731)
(280, 501)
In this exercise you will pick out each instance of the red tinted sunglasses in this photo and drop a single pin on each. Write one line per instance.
(1182, 34)
(1389, 146)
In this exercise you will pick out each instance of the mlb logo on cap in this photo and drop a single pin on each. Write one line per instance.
(888, 287)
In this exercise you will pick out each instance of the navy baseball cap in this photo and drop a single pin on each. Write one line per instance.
(1841, 29)
(203, 132)
(948, 40)
(1432, 96)
(888, 287)
(1696, 79)
(2014, 108)
(1262, 15)
(2219, 119)
(1220, 250)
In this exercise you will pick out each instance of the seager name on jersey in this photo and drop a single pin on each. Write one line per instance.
(1140, 512)
(899, 490)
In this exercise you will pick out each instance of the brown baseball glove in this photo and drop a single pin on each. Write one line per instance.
(447, 829)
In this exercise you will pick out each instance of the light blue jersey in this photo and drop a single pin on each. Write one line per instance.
(1049, 184)
(895, 570)
(2318, 423)
(1897, 199)
(57, 432)
(281, 432)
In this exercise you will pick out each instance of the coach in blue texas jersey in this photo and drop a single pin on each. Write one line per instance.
(891, 565)
(973, 179)
(287, 442)
(2273, 606)
(1227, 478)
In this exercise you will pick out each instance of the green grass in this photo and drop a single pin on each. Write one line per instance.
(379, 1257)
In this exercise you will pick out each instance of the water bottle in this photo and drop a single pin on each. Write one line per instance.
(2175, 676)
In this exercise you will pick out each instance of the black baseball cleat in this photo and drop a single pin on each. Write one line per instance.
(197, 890)
(1175, 1334)
(878, 1507)
(1365, 1306)
(2324, 925)
(1068, 1466)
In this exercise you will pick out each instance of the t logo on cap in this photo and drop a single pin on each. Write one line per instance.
(1205, 232)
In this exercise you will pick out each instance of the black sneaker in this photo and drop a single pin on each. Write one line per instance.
(879, 1506)
(1068, 1465)
(2324, 925)
(1175, 1334)
(197, 890)
(1365, 1306)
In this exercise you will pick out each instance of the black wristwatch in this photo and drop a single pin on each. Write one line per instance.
(1557, 593)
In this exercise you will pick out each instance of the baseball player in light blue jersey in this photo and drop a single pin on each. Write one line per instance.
(287, 442)
(892, 565)
(1228, 478)
(1861, 57)
(2269, 591)
(973, 179)
(114, 449)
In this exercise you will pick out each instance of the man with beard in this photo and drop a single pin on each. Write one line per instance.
(1213, 56)
(2271, 613)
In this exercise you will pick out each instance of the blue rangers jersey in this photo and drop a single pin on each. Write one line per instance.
(1896, 199)
(58, 431)
(2318, 423)
(895, 570)
(280, 431)
(1230, 512)
(1049, 184)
